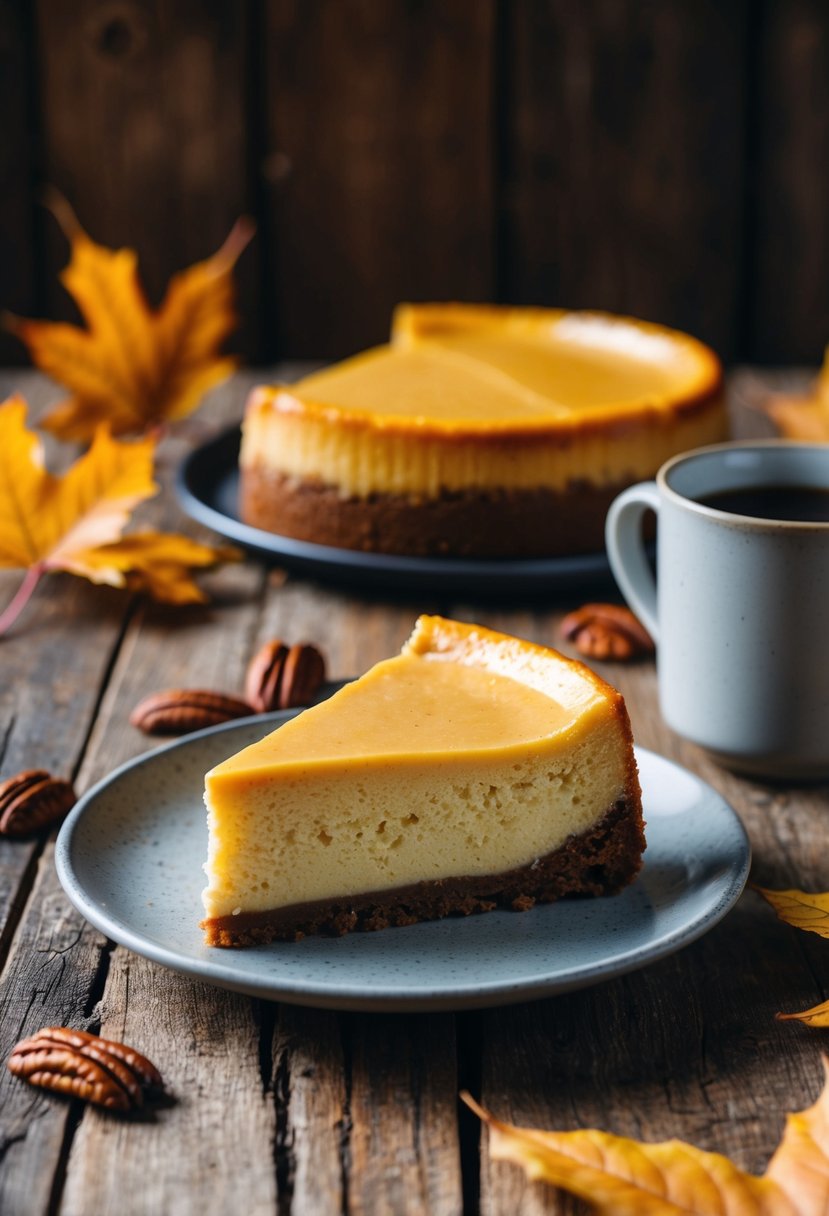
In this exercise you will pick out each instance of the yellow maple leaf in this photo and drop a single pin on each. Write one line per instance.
(76, 522)
(132, 367)
(155, 562)
(817, 1016)
(809, 911)
(804, 416)
(800, 909)
(624, 1177)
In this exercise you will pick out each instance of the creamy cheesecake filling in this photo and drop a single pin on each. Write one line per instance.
(304, 841)
(364, 460)
(601, 861)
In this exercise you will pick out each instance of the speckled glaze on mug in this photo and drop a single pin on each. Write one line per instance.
(740, 610)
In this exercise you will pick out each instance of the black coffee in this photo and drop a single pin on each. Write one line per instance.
(801, 504)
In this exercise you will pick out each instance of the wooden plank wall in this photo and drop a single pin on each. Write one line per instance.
(660, 157)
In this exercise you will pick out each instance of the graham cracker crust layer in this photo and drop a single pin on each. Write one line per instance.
(471, 523)
(600, 861)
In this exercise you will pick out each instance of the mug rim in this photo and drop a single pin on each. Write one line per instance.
(731, 517)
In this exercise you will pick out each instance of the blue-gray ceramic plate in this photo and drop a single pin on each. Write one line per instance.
(130, 858)
(207, 485)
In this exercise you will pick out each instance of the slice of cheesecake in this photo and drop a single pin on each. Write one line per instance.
(472, 771)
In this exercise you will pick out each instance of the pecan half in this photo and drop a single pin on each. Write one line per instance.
(607, 631)
(281, 677)
(84, 1066)
(264, 675)
(179, 710)
(33, 800)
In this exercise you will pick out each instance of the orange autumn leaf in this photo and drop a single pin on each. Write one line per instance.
(804, 416)
(624, 1177)
(76, 522)
(133, 367)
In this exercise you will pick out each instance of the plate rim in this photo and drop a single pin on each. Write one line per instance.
(546, 571)
(399, 998)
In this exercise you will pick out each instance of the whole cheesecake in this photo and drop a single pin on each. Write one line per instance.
(472, 771)
(479, 431)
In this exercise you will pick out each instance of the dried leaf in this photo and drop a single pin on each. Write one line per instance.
(804, 416)
(800, 1166)
(156, 562)
(76, 522)
(623, 1177)
(817, 1016)
(132, 367)
(806, 911)
(800, 909)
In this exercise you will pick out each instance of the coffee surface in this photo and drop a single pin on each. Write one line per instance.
(802, 504)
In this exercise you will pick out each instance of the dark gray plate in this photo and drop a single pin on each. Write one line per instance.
(207, 485)
(130, 858)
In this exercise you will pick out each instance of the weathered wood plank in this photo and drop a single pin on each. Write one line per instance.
(205, 1043)
(308, 1080)
(404, 1152)
(789, 256)
(211, 1057)
(55, 664)
(50, 979)
(17, 248)
(143, 130)
(617, 191)
(377, 164)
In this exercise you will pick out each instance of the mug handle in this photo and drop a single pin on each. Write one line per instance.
(626, 550)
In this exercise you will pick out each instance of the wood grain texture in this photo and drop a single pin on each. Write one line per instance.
(404, 1156)
(143, 129)
(17, 148)
(617, 190)
(791, 250)
(214, 1137)
(309, 1081)
(206, 1043)
(67, 652)
(54, 663)
(51, 978)
(660, 158)
(377, 163)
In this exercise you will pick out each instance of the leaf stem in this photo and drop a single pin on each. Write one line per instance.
(21, 597)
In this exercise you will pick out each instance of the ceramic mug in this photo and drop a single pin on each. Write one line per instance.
(740, 607)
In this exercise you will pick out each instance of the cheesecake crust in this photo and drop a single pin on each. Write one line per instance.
(508, 523)
(600, 861)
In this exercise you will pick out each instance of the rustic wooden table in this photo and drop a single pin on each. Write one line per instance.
(281, 1109)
